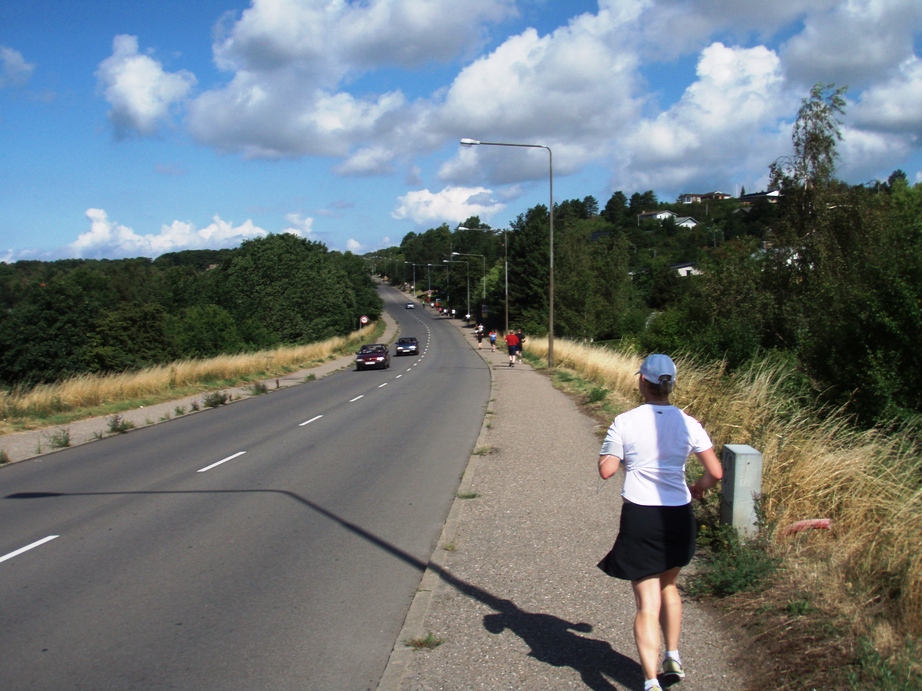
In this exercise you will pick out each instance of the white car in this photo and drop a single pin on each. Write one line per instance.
(411, 306)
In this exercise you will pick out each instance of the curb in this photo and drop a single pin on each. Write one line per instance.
(399, 659)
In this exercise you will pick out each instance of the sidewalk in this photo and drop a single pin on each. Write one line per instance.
(516, 597)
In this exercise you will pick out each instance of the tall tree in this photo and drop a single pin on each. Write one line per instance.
(616, 210)
(815, 137)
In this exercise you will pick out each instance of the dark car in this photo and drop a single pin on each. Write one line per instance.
(374, 355)
(408, 345)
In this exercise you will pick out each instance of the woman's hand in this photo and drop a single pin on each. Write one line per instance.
(713, 472)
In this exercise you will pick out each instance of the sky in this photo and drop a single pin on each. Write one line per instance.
(136, 128)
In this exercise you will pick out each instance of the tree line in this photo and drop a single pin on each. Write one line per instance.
(75, 316)
(826, 276)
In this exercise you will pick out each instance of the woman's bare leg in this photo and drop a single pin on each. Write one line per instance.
(646, 623)
(670, 614)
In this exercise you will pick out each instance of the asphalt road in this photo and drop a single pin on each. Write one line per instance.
(272, 544)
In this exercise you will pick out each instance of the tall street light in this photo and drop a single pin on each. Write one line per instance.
(550, 333)
(483, 261)
(467, 264)
(413, 289)
(437, 266)
(505, 270)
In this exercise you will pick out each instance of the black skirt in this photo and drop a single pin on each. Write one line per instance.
(651, 540)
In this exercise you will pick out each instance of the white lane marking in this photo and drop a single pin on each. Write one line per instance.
(313, 419)
(384, 384)
(408, 369)
(398, 376)
(225, 460)
(28, 547)
(357, 398)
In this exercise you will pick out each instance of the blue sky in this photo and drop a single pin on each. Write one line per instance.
(143, 127)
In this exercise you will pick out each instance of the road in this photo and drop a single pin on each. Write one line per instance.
(275, 543)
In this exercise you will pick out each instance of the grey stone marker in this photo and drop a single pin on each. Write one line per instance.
(740, 488)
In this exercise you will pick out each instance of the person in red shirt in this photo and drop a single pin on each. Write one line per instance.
(512, 343)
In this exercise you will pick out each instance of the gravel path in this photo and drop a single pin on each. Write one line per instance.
(516, 596)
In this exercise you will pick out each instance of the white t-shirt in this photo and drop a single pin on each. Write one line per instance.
(653, 442)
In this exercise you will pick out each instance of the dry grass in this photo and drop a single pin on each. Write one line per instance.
(815, 466)
(32, 408)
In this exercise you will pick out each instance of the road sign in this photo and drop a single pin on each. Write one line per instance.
(363, 319)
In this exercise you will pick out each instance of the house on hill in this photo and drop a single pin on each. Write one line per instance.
(692, 198)
(654, 216)
(772, 197)
(682, 221)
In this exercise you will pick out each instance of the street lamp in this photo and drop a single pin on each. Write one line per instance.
(483, 261)
(413, 289)
(550, 333)
(448, 296)
(467, 264)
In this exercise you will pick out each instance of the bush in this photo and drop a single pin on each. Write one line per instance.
(597, 394)
(214, 399)
(118, 425)
(731, 564)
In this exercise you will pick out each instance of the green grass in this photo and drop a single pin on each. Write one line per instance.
(427, 642)
(730, 563)
(258, 388)
(59, 439)
(118, 425)
(214, 399)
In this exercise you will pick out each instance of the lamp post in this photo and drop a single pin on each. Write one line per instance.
(467, 264)
(550, 333)
(438, 266)
(413, 287)
(483, 261)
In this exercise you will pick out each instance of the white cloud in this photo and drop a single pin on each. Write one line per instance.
(291, 58)
(894, 105)
(302, 82)
(449, 204)
(106, 238)
(853, 42)
(725, 120)
(140, 91)
(354, 246)
(14, 70)
(300, 226)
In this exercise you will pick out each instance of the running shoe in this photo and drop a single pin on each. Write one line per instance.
(672, 668)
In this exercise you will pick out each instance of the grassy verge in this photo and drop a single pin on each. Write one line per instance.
(837, 608)
(87, 396)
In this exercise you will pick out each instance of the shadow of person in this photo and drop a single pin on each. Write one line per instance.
(555, 641)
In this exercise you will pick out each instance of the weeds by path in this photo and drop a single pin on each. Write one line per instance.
(845, 607)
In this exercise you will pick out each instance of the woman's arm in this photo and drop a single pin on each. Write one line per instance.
(608, 465)
(713, 471)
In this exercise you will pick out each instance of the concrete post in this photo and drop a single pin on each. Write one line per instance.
(741, 487)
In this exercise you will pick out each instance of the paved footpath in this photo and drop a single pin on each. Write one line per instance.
(513, 589)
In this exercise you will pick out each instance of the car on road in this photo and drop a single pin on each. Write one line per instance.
(407, 345)
(411, 305)
(374, 355)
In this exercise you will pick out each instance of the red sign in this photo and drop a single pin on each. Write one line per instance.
(363, 319)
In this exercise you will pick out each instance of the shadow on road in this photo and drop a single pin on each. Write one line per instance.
(552, 640)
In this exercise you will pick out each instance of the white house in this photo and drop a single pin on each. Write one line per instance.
(654, 216)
